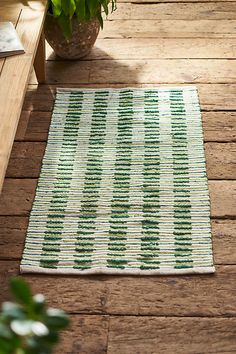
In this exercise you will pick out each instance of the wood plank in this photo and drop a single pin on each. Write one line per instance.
(187, 295)
(176, 71)
(221, 160)
(86, 335)
(217, 126)
(158, 48)
(169, 29)
(178, 1)
(223, 198)
(18, 194)
(213, 97)
(16, 72)
(9, 13)
(142, 335)
(39, 61)
(13, 233)
(175, 11)
(26, 160)
(12, 236)
(224, 241)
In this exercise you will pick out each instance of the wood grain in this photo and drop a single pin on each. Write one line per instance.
(146, 335)
(169, 29)
(158, 48)
(144, 43)
(187, 295)
(221, 160)
(176, 71)
(219, 126)
(39, 61)
(87, 334)
(13, 80)
(160, 1)
(172, 11)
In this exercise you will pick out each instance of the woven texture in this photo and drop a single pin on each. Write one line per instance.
(123, 187)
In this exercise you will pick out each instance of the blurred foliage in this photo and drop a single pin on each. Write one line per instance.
(28, 326)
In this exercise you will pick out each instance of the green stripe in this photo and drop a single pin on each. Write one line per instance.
(151, 185)
(183, 255)
(92, 180)
(120, 207)
(49, 257)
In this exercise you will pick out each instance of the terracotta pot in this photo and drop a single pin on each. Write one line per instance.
(83, 38)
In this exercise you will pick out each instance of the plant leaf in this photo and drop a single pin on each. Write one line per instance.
(80, 10)
(105, 7)
(21, 291)
(100, 19)
(65, 25)
(56, 7)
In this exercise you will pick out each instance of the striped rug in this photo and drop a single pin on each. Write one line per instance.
(123, 187)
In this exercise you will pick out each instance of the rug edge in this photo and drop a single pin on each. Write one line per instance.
(106, 271)
(162, 88)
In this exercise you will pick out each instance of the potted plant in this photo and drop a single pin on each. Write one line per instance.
(72, 26)
(28, 326)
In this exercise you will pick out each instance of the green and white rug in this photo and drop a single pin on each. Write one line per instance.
(123, 187)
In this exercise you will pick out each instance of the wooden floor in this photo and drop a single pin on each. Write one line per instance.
(142, 44)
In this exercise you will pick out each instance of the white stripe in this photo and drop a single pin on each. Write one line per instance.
(166, 178)
(106, 185)
(197, 183)
(136, 179)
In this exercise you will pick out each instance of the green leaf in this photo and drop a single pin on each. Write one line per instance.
(113, 5)
(105, 7)
(80, 10)
(72, 8)
(56, 7)
(5, 332)
(100, 19)
(21, 291)
(6, 346)
(93, 7)
(65, 25)
(68, 7)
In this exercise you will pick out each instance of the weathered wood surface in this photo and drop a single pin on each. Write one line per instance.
(219, 126)
(13, 231)
(151, 335)
(158, 48)
(26, 160)
(187, 295)
(169, 29)
(174, 43)
(213, 97)
(87, 334)
(172, 1)
(174, 71)
(173, 11)
(14, 79)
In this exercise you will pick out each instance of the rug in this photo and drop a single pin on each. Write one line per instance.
(123, 187)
